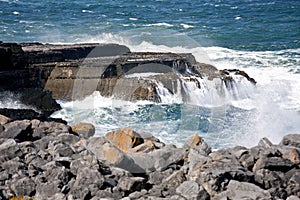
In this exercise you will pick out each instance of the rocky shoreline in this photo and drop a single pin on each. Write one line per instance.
(52, 160)
(44, 158)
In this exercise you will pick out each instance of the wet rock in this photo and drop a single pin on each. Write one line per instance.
(242, 190)
(191, 190)
(197, 159)
(124, 139)
(23, 187)
(291, 140)
(85, 130)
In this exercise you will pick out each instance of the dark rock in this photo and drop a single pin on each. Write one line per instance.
(85, 130)
(157, 177)
(19, 130)
(269, 179)
(273, 163)
(67, 138)
(191, 190)
(278, 193)
(293, 185)
(89, 179)
(170, 184)
(214, 176)
(291, 140)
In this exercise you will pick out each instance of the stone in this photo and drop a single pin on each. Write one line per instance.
(167, 156)
(191, 190)
(145, 147)
(4, 120)
(10, 148)
(170, 184)
(293, 155)
(291, 140)
(111, 155)
(157, 177)
(243, 190)
(138, 194)
(67, 138)
(273, 163)
(23, 187)
(124, 139)
(293, 197)
(265, 142)
(269, 179)
(131, 184)
(197, 159)
(196, 142)
(90, 179)
(51, 128)
(85, 130)
(214, 176)
(19, 130)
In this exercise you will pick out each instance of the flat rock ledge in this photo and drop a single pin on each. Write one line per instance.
(52, 160)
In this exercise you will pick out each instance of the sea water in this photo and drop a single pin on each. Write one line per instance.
(260, 37)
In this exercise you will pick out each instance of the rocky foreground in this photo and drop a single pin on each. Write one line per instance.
(52, 160)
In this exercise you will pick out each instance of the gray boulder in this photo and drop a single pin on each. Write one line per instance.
(291, 140)
(243, 190)
(85, 130)
(19, 130)
(23, 187)
(192, 191)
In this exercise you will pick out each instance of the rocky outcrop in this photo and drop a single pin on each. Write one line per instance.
(36, 71)
(51, 160)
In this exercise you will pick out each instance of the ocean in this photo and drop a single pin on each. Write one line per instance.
(261, 37)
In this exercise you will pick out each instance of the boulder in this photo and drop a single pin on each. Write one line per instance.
(197, 143)
(124, 139)
(85, 130)
(291, 140)
(23, 187)
(273, 163)
(243, 190)
(131, 184)
(111, 155)
(191, 190)
(19, 130)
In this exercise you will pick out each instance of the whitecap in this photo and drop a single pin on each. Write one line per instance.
(133, 19)
(186, 26)
(15, 12)
(159, 24)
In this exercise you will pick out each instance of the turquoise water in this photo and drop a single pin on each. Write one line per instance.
(261, 37)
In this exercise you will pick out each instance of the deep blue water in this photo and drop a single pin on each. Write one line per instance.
(247, 25)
